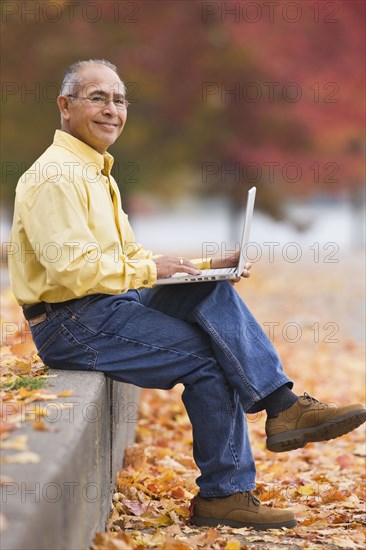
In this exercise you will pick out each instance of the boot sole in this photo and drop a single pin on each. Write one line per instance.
(296, 439)
(201, 521)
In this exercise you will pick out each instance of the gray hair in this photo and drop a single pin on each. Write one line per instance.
(72, 80)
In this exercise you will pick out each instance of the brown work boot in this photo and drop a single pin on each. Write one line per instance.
(310, 420)
(239, 510)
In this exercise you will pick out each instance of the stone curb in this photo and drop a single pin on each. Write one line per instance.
(61, 501)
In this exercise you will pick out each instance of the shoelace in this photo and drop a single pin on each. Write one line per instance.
(309, 398)
(251, 498)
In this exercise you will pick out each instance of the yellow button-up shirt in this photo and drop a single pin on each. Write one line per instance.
(70, 236)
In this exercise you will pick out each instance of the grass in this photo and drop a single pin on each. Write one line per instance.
(27, 382)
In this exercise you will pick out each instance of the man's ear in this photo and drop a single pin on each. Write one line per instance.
(63, 105)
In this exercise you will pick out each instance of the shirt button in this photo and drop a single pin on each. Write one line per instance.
(145, 282)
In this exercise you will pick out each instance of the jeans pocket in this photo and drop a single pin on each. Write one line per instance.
(64, 350)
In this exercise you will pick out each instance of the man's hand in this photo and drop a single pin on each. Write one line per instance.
(166, 266)
(232, 261)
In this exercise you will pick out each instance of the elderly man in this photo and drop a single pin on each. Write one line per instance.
(86, 289)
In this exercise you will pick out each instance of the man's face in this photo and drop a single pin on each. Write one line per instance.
(96, 125)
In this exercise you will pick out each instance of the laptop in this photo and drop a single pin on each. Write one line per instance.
(225, 273)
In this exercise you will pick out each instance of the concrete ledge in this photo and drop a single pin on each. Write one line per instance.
(61, 501)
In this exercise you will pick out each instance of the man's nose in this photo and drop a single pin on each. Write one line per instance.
(110, 107)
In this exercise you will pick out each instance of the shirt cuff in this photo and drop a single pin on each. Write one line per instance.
(202, 264)
(145, 274)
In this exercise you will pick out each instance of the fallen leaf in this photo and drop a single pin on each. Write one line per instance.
(7, 427)
(233, 545)
(134, 506)
(307, 490)
(66, 393)
(24, 349)
(18, 443)
(345, 542)
(345, 461)
(153, 488)
(178, 492)
(21, 367)
(41, 426)
(134, 457)
(27, 457)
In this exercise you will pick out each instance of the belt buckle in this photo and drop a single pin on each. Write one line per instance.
(36, 320)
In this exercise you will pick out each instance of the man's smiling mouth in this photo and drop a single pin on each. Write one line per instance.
(109, 124)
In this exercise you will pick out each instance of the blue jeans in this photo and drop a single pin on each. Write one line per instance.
(200, 335)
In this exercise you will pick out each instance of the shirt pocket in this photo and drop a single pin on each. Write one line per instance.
(65, 350)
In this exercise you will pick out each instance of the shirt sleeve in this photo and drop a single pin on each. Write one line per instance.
(55, 218)
(202, 264)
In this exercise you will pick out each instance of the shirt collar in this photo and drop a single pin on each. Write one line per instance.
(84, 151)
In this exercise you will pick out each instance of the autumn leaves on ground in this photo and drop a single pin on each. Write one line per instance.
(313, 313)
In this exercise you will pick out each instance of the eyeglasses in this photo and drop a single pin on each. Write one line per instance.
(99, 101)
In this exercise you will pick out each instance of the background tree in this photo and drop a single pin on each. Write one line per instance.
(223, 95)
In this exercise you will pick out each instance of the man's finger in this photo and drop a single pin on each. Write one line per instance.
(186, 266)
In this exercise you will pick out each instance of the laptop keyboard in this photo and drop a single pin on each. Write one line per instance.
(219, 271)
